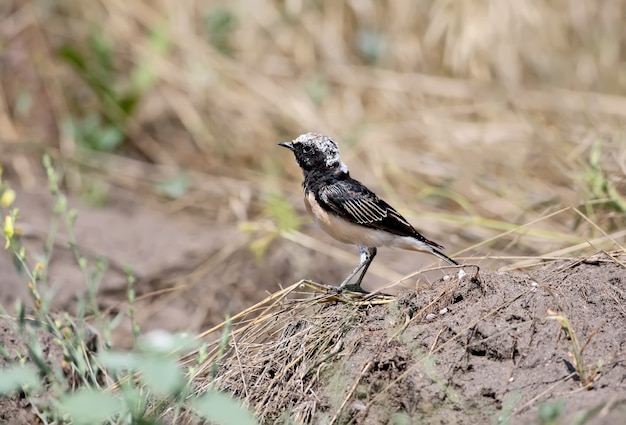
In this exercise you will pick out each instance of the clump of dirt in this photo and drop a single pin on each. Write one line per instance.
(463, 351)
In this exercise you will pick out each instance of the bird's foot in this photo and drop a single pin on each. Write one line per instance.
(351, 288)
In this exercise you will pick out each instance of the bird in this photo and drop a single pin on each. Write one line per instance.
(347, 210)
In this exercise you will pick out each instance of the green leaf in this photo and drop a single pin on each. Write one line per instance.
(136, 402)
(118, 361)
(220, 23)
(371, 45)
(222, 409)
(282, 212)
(596, 154)
(162, 375)
(35, 352)
(161, 39)
(72, 56)
(143, 78)
(17, 262)
(90, 406)
(144, 75)
(550, 412)
(102, 50)
(259, 246)
(176, 187)
(128, 103)
(109, 138)
(16, 377)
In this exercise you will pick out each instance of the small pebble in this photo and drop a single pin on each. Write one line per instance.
(533, 283)
(431, 316)
(358, 406)
(443, 310)
(462, 274)
(446, 277)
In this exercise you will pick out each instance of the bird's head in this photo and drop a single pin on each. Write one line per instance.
(315, 151)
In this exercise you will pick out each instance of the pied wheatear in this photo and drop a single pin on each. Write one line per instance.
(347, 210)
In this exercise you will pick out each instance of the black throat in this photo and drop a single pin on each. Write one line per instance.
(317, 177)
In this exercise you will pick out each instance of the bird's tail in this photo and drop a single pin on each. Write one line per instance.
(414, 244)
(444, 257)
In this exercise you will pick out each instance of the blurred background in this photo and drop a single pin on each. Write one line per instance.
(496, 128)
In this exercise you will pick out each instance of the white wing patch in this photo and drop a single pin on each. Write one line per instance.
(365, 211)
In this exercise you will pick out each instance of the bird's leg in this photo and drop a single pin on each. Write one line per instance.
(367, 255)
(370, 253)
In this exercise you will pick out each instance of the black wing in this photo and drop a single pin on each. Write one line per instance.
(353, 201)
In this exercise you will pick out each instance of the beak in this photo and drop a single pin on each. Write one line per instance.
(287, 145)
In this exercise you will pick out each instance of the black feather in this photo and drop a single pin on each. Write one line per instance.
(351, 200)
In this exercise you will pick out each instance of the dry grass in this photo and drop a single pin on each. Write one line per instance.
(470, 110)
(284, 342)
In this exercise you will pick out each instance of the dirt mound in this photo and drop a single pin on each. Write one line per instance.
(461, 351)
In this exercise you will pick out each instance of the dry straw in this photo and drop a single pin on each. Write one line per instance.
(277, 347)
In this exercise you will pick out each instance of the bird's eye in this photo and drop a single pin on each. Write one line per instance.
(307, 149)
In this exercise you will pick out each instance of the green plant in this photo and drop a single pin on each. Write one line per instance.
(280, 217)
(602, 191)
(220, 23)
(95, 383)
(550, 413)
(104, 128)
(505, 414)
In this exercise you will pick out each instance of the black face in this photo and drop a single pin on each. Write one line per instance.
(308, 156)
